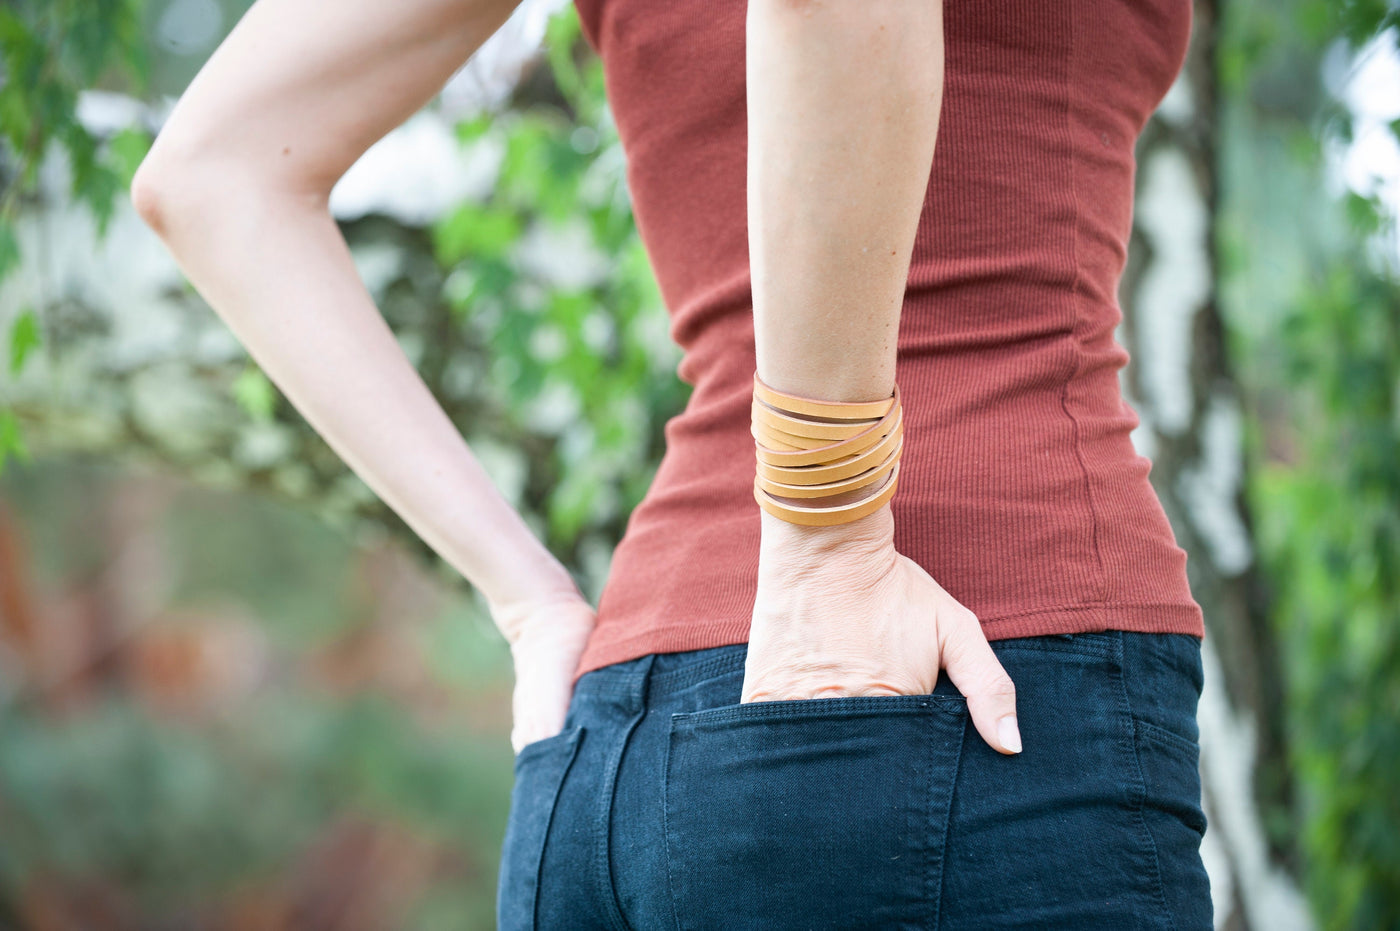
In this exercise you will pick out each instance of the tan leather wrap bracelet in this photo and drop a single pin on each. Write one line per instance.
(840, 468)
(861, 436)
(812, 449)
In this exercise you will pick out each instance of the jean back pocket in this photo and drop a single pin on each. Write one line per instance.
(1172, 812)
(540, 768)
(811, 813)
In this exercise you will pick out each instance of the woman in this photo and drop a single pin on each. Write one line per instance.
(752, 730)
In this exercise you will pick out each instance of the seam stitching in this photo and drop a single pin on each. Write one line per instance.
(666, 820)
(947, 815)
(612, 908)
(575, 736)
(1139, 800)
(1102, 586)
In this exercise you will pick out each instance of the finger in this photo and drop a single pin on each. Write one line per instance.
(978, 674)
(536, 724)
(539, 704)
(545, 658)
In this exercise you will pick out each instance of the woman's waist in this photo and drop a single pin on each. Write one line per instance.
(1027, 493)
(689, 677)
(1022, 441)
(1024, 483)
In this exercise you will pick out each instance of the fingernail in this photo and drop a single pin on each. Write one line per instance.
(1009, 734)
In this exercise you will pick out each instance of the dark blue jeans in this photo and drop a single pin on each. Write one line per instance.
(666, 804)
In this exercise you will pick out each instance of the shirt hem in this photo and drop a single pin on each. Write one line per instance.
(1091, 617)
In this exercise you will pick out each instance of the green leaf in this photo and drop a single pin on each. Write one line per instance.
(11, 442)
(473, 128)
(15, 113)
(9, 249)
(475, 231)
(125, 150)
(1316, 20)
(1364, 213)
(255, 393)
(24, 337)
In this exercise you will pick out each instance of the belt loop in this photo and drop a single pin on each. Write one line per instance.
(637, 686)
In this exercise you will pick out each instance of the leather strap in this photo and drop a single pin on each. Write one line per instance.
(858, 410)
(762, 434)
(826, 517)
(833, 471)
(836, 430)
(868, 436)
(783, 441)
(827, 489)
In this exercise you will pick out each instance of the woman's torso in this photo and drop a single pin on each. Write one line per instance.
(1020, 489)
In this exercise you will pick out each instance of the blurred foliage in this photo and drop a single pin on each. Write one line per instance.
(50, 50)
(263, 744)
(161, 818)
(1314, 299)
(591, 358)
(184, 820)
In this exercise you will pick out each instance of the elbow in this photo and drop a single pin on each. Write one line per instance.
(171, 185)
(148, 196)
(185, 192)
(167, 177)
(207, 168)
(166, 185)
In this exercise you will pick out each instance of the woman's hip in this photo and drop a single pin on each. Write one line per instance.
(665, 803)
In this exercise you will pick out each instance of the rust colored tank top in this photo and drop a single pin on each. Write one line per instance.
(1020, 489)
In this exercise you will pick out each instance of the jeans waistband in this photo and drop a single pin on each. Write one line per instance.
(660, 674)
(652, 677)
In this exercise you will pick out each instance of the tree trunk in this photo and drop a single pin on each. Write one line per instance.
(1180, 382)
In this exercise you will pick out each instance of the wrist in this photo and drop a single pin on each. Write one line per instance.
(785, 546)
(554, 599)
(827, 470)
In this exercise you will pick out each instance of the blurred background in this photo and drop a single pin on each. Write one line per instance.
(237, 693)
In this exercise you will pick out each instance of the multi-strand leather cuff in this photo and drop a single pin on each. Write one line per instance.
(813, 449)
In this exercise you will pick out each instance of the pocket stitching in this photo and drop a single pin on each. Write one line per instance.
(666, 821)
(532, 748)
(1139, 794)
(934, 891)
(1095, 643)
(844, 705)
(567, 740)
(1169, 738)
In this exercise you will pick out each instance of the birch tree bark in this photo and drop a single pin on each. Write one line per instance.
(1181, 383)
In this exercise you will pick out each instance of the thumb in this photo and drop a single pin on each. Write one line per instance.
(978, 674)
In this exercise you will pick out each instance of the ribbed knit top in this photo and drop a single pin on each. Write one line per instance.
(1020, 489)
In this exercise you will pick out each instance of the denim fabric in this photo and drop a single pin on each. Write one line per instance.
(666, 804)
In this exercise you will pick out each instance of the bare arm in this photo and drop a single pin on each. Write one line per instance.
(237, 185)
(844, 99)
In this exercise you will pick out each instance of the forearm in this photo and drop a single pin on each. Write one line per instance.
(843, 108)
(277, 270)
(237, 185)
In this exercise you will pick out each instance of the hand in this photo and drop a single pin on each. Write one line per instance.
(546, 640)
(840, 612)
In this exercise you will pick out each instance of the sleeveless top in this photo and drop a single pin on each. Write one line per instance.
(1020, 491)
